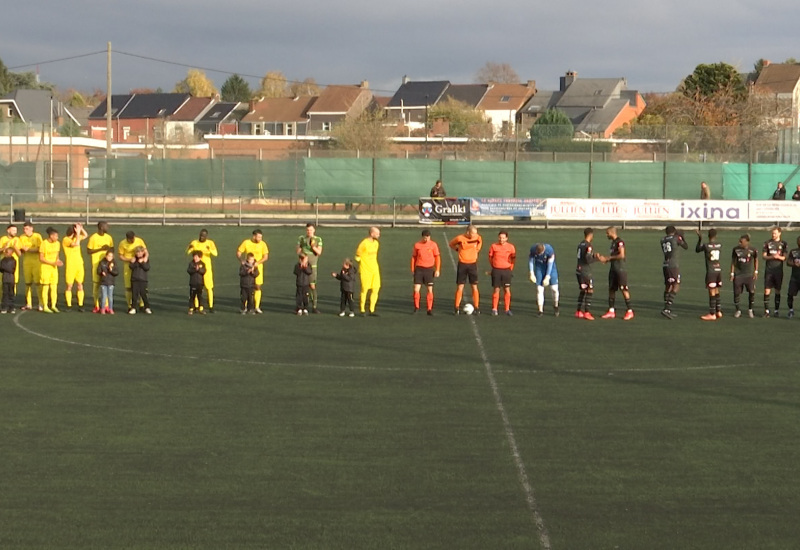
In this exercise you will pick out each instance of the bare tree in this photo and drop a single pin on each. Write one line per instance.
(501, 73)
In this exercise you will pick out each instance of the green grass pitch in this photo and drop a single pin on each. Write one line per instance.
(278, 431)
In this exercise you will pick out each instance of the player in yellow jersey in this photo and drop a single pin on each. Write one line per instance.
(29, 243)
(367, 258)
(74, 273)
(50, 262)
(255, 245)
(125, 255)
(209, 250)
(10, 240)
(97, 246)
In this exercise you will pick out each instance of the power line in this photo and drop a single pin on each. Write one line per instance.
(56, 60)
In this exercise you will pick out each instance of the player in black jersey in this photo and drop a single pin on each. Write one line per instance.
(617, 275)
(672, 271)
(774, 254)
(793, 261)
(744, 271)
(586, 257)
(712, 250)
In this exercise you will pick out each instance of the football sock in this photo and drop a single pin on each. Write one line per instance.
(257, 298)
(556, 294)
(751, 300)
(587, 301)
(40, 293)
(210, 298)
(68, 297)
(612, 300)
(129, 297)
(416, 300)
(373, 300)
(766, 302)
(28, 297)
(312, 293)
(627, 303)
(459, 295)
(495, 300)
(712, 304)
(736, 300)
(96, 294)
(790, 301)
(507, 300)
(81, 296)
(777, 301)
(476, 298)
(429, 300)
(581, 297)
(719, 303)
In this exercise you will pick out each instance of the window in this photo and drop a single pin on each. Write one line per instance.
(290, 128)
(326, 126)
(126, 132)
(505, 99)
(258, 128)
(10, 112)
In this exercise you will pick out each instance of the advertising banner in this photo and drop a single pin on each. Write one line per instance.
(444, 211)
(518, 208)
(608, 209)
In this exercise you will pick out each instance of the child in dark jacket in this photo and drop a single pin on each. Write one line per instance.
(248, 272)
(302, 273)
(107, 270)
(8, 267)
(140, 265)
(197, 277)
(347, 281)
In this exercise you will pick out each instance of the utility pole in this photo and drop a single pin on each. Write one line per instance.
(108, 118)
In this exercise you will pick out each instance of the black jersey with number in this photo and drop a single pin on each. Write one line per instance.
(712, 252)
(744, 260)
(617, 247)
(669, 246)
(793, 260)
(585, 258)
(774, 247)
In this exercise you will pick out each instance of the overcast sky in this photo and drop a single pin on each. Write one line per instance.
(652, 44)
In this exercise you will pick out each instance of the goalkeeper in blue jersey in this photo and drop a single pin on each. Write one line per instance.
(543, 272)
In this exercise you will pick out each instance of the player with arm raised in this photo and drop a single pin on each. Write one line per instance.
(74, 270)
(744, 271)
(774, 254)
(712, 251)
(670, 243)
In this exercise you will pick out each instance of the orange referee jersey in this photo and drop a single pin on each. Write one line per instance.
(502, 256)
(468, 248)
(426, 254)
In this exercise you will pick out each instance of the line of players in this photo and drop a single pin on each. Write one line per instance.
(41, 263)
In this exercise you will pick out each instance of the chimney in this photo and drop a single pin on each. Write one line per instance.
(252, 106)
(365, 84)
(531, 84)
(766, 63)
(567, 79)
(406, 79)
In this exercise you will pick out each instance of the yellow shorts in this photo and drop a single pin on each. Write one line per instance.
(74, 274)
(31, 268)
(49, 275)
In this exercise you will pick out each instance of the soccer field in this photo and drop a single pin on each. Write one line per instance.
(401, 431)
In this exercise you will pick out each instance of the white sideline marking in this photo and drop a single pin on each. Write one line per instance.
(530, 496)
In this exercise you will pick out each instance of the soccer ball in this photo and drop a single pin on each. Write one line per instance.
(468, 309)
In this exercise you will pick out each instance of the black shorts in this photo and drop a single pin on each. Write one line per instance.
(585, 281)
(773, 279)
(744, 282)
(424, 275)
(501, 277)
(672, 276)
(794, 286)
(617, 280)
(714, 279)
(466, 272)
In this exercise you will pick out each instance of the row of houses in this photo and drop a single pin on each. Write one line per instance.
(596, 106)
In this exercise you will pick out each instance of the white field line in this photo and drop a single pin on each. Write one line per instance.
(530, 495)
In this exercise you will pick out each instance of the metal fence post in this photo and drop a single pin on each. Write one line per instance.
(394, 211)
(240, 210)
(87, 208)
(316, 210)
(164, 211)
(11, 209)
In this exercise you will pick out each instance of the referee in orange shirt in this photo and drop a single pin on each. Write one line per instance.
(467, 245)
(425, 265)
(502, 256)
